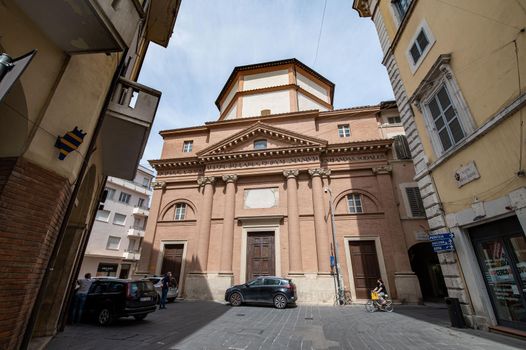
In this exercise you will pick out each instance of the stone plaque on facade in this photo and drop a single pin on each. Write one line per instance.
(261, 198)
(466, 173)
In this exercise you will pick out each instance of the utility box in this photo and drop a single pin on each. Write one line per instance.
(455, 313)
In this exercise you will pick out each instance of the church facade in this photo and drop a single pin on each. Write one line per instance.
(249, 194)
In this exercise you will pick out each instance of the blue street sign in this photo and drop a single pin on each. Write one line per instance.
(443, 249)
(333, 261)
(441, 243)
(441, 236)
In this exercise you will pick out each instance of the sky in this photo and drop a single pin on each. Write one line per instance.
(211, 37)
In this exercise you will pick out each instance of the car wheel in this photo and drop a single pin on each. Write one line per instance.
(235, 299)
(140, 317)
(105, 316)
(280, 301)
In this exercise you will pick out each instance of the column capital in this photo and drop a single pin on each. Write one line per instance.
(158, 185)
(291, 173)
(230, 178)
(384, 169)
(319, 172)
(205, 180)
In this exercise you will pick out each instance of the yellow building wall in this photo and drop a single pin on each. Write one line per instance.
(480, 36)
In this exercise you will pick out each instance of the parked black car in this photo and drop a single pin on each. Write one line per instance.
(109, 299)
(269, 290)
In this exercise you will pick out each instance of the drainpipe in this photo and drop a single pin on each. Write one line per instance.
(336, 265)
(91, 148)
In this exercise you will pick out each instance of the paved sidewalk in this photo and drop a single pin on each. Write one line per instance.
(207, 325)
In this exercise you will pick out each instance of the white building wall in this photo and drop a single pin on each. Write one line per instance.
(310, 86)
(306, 104)
(277, 102)
(228, 98)
(262, 80)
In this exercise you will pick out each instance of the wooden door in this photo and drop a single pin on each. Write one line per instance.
(364, 266)
(173, 260)
(260, 255)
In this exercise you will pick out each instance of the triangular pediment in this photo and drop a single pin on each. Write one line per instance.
(277, 139)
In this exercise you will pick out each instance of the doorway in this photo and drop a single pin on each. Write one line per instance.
(500, 248)
(365, 268)
(260, 254)
(425, 264)
(125, 271)
(173, 260)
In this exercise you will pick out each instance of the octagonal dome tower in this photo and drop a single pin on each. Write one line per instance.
(277, 87)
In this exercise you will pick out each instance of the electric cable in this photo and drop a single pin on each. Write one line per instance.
(319, 34)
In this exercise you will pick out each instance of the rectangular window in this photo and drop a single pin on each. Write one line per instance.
(344, 130)
(445, 119)
(111, 193)
(103, 215)
(146, 182)
(355, 203)
(180, 211)
(124, 197)
(401, 147)
(401, 7)
(187, 146)
(419, 46)
(140, 203)
(394, 120)
(415, 201)
(260, 144)
(113, 243)
(119, 219)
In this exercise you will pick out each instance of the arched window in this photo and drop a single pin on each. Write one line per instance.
(354, 203)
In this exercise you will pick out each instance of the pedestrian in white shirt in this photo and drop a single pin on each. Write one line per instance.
(80, 297)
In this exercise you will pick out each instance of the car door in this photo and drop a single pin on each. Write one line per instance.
(267, 290)
(253, 290)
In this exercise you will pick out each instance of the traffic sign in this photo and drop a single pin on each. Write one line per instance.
(443, 249)
(441, 236)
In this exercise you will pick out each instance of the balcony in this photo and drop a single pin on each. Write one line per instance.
(135, 231)
(131, 255)
(141, 211)
(126, 127)
(92, 25)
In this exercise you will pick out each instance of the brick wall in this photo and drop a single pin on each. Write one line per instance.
(33, 202)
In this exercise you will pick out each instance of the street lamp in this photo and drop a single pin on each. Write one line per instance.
(335, 243)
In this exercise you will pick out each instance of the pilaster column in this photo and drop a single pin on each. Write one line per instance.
(148, 262)
(392, 218)
(320, 224)
(205, 222)
(228, 224)
(295, 265)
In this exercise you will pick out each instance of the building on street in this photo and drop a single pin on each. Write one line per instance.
(71, 114)
(114, 246)
(244, 196)
(459, 76)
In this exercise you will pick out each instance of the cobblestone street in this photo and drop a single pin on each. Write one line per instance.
(206, 325)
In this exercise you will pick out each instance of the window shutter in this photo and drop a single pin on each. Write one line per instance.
(402, 147)
(415, 201)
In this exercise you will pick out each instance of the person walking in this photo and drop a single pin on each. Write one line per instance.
(165, 285)
(80, 297)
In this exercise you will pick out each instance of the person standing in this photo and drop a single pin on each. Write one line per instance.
(165, 285)
(80, 297)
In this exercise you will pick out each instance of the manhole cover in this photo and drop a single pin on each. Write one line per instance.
(309, 318)
(240, 314)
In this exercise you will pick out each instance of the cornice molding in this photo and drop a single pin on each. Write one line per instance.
(319, 172)
(230, 178)
(384, 169)
(205, 180)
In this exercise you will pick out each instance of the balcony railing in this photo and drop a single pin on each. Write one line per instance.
(131, 255)
(141, 211)
(126, 128)
(136, 231)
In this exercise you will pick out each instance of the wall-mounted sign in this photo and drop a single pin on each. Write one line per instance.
(466, 173)
(442, 242)
(69, 142)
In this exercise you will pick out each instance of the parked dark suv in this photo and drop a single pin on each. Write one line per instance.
(109, 299)
(269, 290)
